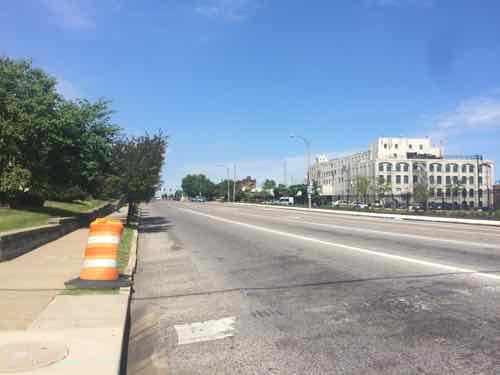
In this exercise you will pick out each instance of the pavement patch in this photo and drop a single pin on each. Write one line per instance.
(205, 331)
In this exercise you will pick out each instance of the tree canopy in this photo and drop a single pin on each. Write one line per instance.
(51, 147)
(136, 165)
(198, 184)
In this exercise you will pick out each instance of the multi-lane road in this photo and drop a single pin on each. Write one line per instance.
(225, 289)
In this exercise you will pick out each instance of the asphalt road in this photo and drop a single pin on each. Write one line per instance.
(226, 289)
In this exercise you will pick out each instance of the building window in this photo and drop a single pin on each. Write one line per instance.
(464, 168)
(448, 168)
(381, 167)
(415, 178)
(410, 146)
(395, 155)
(398, 179)
(471, 204)
(480, 180)
(455, 168)
(381, 179)
(421, 147)
(471, 168)
(398, 167)
(439, 192)
(448, 192)
(439, 168)
(464, 180)
(389, 179)
(431, 167)
(471, 180)
(464, 193)
(385, 145)
(405, 167)
(396, 146)
(455, 180)
(431, 180)
(480, 193)
(471, 193)
(389, 167)
(405, 179)
(448, 180)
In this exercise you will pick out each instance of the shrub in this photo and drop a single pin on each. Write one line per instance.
(27, 199)
(71, 194)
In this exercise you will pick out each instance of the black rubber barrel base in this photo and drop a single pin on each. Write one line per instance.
(123, 281)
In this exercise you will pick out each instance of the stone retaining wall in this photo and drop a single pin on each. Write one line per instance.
(14, 244)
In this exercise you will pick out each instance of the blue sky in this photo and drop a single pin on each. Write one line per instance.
(229, 80)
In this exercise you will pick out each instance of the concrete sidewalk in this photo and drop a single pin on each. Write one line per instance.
(82, 333)
(30, 282)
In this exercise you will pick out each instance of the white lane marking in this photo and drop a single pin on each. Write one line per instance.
(347, 247)
(385, 233)
(106, 239)
(205, 331)
(90, 263)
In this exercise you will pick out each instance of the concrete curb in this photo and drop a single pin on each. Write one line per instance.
(494, 223)
(131, 266)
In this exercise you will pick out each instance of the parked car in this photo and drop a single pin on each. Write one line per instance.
(376, 204)
(361, 206)
(339, 203)
(199, 199)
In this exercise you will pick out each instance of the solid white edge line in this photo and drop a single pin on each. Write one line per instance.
(347, 247)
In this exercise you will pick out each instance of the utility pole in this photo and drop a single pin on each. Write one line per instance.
(234, 184)
(285, 177)
(308, 151)
(228, 179)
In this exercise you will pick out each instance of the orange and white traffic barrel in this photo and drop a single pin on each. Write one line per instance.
(101, 253)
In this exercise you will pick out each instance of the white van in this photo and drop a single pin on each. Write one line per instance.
(287, 201)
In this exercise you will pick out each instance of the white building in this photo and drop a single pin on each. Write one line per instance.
(394, 167)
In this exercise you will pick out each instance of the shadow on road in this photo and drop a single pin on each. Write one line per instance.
(154, 224)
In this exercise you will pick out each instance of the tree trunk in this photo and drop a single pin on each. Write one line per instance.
(131, 212)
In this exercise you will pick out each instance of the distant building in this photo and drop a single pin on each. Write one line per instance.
(395, 166)
(496, 195)
(248, 184)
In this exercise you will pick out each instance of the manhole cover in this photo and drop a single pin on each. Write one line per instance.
(24, 356)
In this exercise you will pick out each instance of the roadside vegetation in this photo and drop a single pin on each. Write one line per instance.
(61, 157)
(363, 192)
(11, 219)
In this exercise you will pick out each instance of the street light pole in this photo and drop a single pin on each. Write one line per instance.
(308, 150)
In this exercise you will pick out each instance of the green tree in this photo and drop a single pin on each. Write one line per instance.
(421, 193)
(195, 185)
(362, 186)
(281, 191)
(269, 184)
(51, 144)
(28, 109)
(137, 163)
(82, 155)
